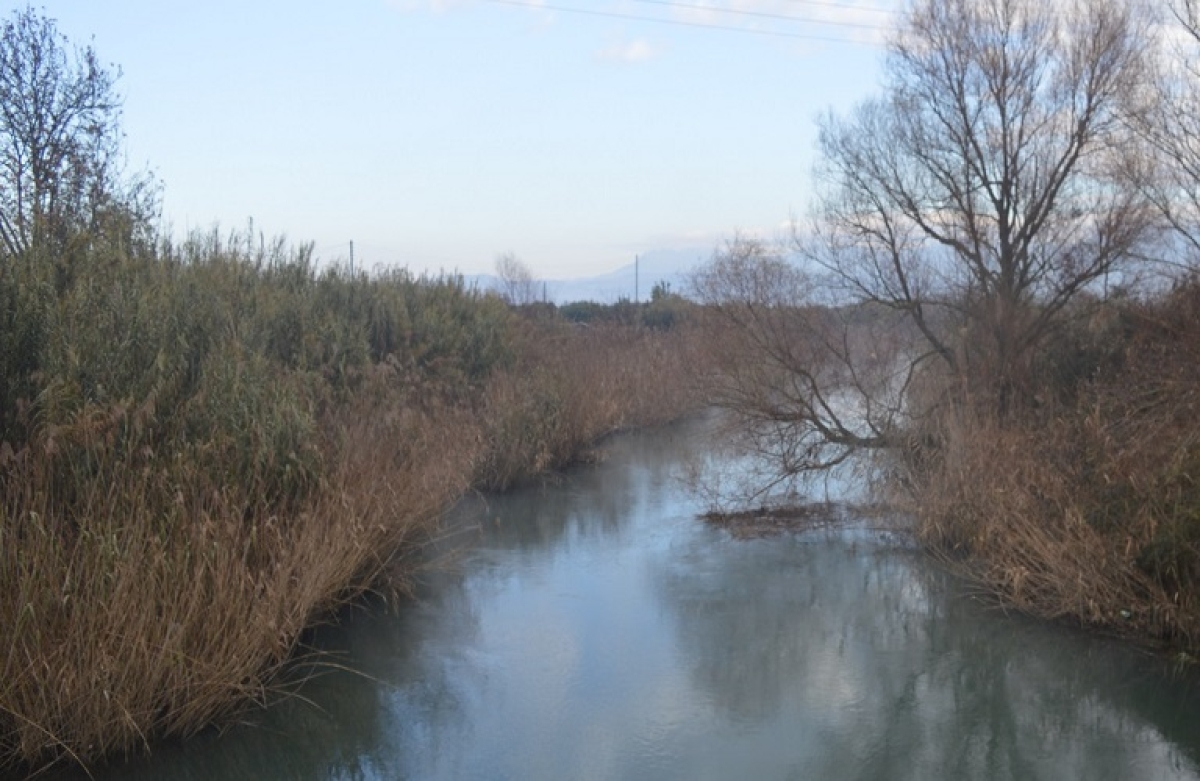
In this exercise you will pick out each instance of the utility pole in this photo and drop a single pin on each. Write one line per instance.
(637, 282)
(352, 257)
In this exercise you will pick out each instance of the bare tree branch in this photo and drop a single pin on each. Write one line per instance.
(960, 213)
(517, 284)
(60, 140)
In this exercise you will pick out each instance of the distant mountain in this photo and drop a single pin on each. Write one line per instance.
(635, 280)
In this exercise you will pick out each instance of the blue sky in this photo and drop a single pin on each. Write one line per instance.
(437, 134)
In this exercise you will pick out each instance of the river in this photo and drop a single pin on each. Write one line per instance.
(595, 629)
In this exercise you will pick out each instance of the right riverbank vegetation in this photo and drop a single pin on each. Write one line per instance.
(997, 298)
(208, 444)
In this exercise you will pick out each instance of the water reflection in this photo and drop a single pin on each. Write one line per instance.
(595, 629)
(855, 658)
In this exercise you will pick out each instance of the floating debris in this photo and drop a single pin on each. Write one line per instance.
(771, 521)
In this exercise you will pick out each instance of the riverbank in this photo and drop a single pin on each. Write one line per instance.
(206, 448)
(1086, 506)
(592, 627)
(1063, 477)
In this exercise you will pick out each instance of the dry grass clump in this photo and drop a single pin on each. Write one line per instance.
(1007, 506)
(571, 387)
(767, 521)
(1088, 510)
(159, 601)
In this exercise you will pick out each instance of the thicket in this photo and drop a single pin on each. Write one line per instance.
(1085, 504)
(953, 305)
(664, 311)
(205, 448)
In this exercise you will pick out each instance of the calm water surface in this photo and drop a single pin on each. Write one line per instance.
(596, 630)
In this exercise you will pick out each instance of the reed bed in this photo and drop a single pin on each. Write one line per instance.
(207, 448)
(1086, 509)
(572, 387)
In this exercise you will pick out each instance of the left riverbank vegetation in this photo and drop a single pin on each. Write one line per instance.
(996, 298)
(208, 445)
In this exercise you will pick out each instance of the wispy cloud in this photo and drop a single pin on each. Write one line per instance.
(631, 52)
(860, 21)
(856, 20)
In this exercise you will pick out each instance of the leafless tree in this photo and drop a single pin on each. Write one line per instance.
(60, 139)
(807, 382)
(517, 284)
(1167, 117)
(985, 190)
(958, 216)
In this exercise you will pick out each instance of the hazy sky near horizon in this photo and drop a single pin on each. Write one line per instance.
(437, 134)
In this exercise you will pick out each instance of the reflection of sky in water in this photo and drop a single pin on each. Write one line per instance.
(597, 630)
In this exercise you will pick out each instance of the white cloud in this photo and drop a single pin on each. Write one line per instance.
(633, 52)
(855, 20)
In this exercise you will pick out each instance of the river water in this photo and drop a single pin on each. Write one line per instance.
(595, 629)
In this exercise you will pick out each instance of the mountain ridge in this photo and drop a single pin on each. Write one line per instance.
(633, 281)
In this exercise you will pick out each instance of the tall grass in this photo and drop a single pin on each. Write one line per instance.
(1087, 507)
(205, 448)
(573, 386)
(140, 613)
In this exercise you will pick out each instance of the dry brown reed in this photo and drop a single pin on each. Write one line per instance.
(158, 566)
(1087, 510)
(573, 386)
(133, 618)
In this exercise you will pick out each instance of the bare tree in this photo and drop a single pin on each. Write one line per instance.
(60, 138)
(1168, 118)
(517, 284)
(984, 191)
(959, 214)
(808, 382)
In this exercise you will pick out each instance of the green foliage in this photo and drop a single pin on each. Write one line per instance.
(665, 311)
(227, 350)
(26, 301)
(583, 312)
(251, 428)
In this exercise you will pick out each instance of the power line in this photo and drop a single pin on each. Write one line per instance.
(679, 23)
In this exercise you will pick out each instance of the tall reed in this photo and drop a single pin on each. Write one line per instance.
(572, 386)
(1086, 507)
(207, 447)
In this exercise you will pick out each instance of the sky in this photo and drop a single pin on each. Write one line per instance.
(438, 134)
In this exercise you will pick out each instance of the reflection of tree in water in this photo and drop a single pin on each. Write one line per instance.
(760, 621)
(887, 675)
